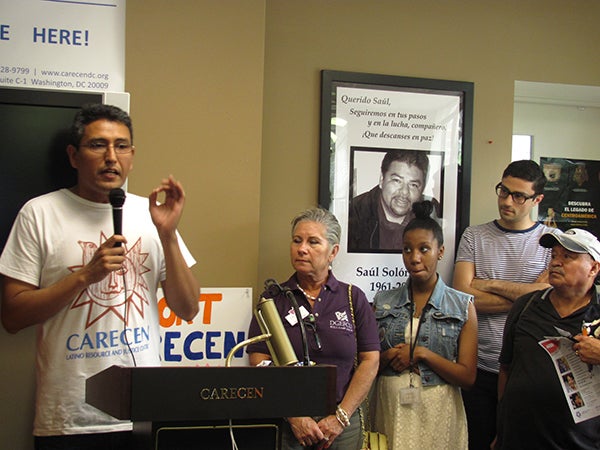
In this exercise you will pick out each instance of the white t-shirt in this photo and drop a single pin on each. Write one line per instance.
(54, 235)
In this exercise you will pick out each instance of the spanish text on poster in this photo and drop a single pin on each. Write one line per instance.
(390, 146)
(571, 195)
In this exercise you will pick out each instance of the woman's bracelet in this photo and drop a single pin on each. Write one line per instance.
(342, 416)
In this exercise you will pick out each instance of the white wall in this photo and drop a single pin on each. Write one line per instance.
(559, 131)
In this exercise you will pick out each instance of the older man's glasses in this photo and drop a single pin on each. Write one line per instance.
(120, 148)
(518, 197)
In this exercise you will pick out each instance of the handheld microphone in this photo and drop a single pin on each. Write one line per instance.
(116, 197)
(279, 343)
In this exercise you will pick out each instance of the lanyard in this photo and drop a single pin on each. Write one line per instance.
(413, 342)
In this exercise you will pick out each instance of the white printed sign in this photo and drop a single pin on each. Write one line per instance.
(222, 323)
(580, 382)
(369, 123)
(57, 44)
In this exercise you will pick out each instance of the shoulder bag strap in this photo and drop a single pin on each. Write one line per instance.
(363, 425)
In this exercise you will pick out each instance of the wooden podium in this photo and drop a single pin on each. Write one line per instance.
(157, 399)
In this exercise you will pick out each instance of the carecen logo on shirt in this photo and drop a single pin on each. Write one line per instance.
(120, 290)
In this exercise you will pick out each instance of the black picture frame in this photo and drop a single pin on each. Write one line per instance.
(375, 118)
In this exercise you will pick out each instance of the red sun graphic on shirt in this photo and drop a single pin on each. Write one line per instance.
(120, 290)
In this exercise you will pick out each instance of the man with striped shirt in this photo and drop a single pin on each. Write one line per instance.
(497, 262)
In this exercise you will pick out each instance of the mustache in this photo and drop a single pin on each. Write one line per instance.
(400, 198)
(557, 270)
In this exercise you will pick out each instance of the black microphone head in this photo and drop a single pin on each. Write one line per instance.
(116, 197)
(273, 288)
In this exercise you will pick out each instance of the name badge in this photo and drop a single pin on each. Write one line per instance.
(291, 315)
(410, 395)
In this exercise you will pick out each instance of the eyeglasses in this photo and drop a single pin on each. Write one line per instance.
(120, 148)
(518, 197)
(309, 321)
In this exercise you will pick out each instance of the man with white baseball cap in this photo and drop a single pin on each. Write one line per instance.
(575, 240)
(529, 387)
(587, 347)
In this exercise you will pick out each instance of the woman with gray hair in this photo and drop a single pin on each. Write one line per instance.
(340, 326)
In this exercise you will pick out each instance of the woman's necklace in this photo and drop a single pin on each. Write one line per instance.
(307, 295)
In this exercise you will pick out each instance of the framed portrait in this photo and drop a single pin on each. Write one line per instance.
(387, 142)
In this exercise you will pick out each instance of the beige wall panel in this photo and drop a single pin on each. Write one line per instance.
(195, 73)
(489, 43)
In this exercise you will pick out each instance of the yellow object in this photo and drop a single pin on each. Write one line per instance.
(374, 441)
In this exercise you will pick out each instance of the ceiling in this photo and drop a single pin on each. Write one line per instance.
(557, 94)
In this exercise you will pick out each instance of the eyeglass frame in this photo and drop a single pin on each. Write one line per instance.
(101, 146)
(503, 192)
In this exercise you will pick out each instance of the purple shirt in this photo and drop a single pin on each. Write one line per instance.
(333, 323)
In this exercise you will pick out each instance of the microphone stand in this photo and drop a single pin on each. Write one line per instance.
(239, 345)
(271, 286)
(290, 295)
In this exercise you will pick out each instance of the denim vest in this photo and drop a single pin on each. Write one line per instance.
(441, 323)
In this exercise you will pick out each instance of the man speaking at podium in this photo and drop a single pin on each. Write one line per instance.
(89, 287)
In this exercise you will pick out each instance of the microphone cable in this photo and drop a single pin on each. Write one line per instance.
(232, 437)
(290, 295)
(126, 316)
(274, 289)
